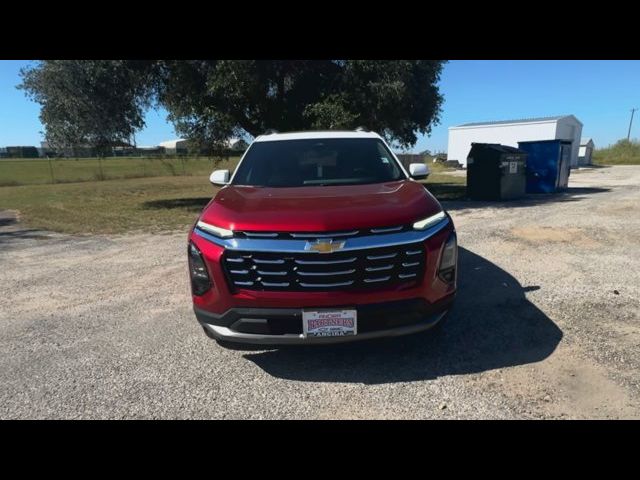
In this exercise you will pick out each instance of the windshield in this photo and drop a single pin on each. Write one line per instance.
(317, 162)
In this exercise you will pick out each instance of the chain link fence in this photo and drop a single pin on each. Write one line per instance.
(29, 171)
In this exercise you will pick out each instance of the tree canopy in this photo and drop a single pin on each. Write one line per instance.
(100, 102)
(97, 103)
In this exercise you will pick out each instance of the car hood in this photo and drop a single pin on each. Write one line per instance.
(315, 209)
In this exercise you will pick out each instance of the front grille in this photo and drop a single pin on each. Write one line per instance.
(315, 235)
(351, 270)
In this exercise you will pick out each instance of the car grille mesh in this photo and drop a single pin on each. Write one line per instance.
(357, 269)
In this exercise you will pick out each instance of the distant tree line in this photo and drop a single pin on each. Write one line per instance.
(102, 103)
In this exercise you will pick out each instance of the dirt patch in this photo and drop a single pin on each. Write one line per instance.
(538, 235)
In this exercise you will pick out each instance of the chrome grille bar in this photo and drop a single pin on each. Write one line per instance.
(380, 279)
(377, 269)
(326, 274)
(275, 284)
(266, 272)
(324, 235)
(386, 230)
(235, 260)
(274, 262)
(261, 234)
(327, 285)
(325, 262)
(407, 275)
(381, 257)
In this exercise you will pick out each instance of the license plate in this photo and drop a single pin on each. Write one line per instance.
(329, 323)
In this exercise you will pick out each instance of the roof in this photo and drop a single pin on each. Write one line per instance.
(565, 140)
(521, 120)
(315, 134)
(171, 143)
(231, 142)
(584, 141)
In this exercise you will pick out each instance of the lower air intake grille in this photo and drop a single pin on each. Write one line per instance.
(358, 269)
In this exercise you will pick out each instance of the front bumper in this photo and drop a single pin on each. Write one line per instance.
(283, 326)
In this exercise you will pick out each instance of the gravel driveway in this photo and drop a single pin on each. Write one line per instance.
(547, 325)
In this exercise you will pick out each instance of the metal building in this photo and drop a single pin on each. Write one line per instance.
(177, 146)
(586, 151)
(510, 132)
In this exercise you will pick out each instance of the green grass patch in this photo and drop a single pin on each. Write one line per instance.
(139, 204)
(622, 153)
(113, 206)
(447, 187)
(30, 171)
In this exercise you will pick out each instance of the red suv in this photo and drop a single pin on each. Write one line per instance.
(321, 237)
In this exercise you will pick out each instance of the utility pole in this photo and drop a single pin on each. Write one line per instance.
(633, 110)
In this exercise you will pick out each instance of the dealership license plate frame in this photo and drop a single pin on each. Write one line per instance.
(342, 315)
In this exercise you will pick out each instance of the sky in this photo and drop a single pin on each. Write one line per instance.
(599, 93)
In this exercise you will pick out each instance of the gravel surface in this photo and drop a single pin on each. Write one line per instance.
(547, 325)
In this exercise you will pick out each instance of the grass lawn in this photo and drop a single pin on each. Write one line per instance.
(137, 204)
(113, 206)
(622, 153)
(29, 171)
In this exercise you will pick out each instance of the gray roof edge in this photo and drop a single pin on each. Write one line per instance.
(517, 121)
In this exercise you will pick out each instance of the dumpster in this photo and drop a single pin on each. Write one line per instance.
(548, 165)
(495, 172)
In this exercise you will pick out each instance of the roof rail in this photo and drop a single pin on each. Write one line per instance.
(270, 131)
(362, 129)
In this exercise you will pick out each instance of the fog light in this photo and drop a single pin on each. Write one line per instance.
(200, 281)
(448, 260)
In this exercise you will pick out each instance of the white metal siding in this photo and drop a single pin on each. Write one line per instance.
(460, 138)
(565, 128)
(569, 129)
(585, 155)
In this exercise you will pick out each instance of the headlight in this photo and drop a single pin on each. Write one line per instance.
(200, 280)
(449, 259)
(430, 221)
(217, 231)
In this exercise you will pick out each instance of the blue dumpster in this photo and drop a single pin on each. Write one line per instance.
(548, 165)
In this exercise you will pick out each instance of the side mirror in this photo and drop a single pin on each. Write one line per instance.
(419, 171)
(219, 177)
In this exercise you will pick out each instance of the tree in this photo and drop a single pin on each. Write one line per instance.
(211, 100)
(90, 102)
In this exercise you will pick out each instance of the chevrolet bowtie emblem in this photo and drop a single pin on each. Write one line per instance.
(325, 245)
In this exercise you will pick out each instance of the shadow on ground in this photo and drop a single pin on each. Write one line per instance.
(10, 230)
(190, 204)
(26, 233)
(454, 197)
(4, 221)
(492, 326)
